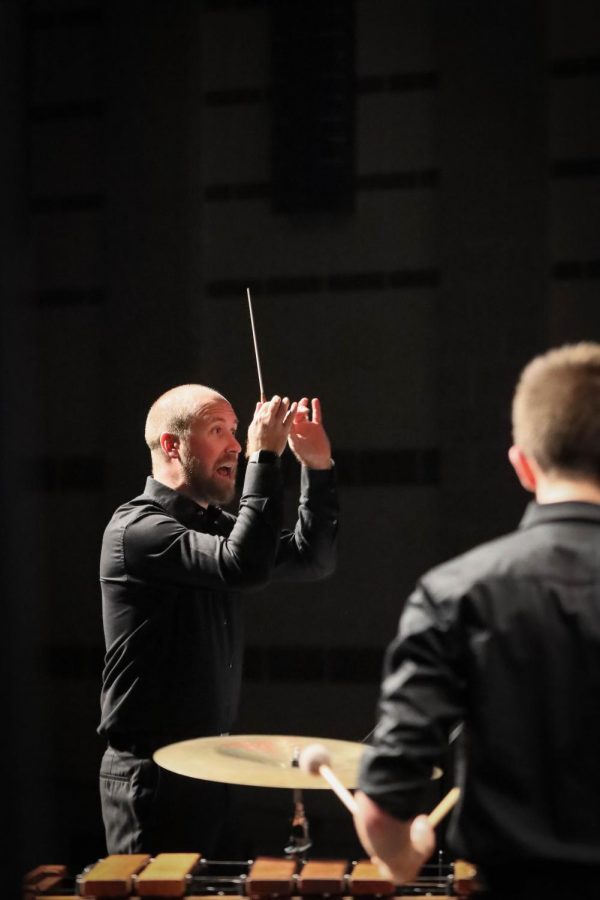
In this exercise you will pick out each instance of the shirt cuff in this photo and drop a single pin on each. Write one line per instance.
(264, 456)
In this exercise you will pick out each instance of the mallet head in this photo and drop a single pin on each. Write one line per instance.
(312, 757)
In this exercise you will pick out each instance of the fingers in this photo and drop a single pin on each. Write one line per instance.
(302, 411)
(303, 408)
(291, 415)
(422, 836)
(276, 410)
(316, 411)
(278, 407)
(277, 420)
(271, 425)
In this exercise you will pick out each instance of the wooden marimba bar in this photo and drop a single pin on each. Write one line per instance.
(188, 875)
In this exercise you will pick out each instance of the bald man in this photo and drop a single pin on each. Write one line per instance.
(174, 568)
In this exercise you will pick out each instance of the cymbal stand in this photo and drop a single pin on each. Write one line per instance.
(299, 840)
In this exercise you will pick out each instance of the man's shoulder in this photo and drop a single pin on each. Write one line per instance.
(503, 557)
(132, 525)
(134, 510)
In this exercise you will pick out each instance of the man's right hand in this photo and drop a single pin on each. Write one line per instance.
(270, 427)
(398, 848)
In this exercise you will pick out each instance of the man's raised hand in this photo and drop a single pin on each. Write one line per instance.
(271, 424)
(308, 439)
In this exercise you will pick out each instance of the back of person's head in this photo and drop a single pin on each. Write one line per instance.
(176, 411)
(556, 411)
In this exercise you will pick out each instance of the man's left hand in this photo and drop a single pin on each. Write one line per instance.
(308, 439)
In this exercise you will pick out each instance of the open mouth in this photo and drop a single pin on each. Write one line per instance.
(227, 471)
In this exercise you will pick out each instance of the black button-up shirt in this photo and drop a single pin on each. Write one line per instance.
(172, 574)
(507, 639)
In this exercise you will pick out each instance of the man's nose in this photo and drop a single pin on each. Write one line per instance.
(234, 445)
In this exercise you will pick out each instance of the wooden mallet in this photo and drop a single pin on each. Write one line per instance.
(315, 760)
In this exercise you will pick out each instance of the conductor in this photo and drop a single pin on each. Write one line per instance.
(174, 571)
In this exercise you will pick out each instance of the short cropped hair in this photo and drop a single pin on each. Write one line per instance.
(556, 410)
(176, 411)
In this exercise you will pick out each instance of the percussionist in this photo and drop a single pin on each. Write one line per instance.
(506, 640)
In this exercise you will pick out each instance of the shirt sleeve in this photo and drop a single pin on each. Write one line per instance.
(156, 546)
(421, 700)
(309, 551)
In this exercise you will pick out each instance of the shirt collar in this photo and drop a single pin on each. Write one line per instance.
(540, 513)
(182, 508)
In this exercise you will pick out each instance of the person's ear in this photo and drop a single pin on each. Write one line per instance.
(524, 468)
(170, 445)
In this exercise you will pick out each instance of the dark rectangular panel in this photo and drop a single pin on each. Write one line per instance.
(62, 297)
(577, 269)
(576, 168)
(301, 663)
(365, 468)
(312, 105)
(66, 203)
(314, 284)
(575, 68)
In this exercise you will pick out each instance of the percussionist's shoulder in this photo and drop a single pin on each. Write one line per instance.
(503, 557)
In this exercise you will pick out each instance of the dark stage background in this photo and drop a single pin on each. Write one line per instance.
(409, 187)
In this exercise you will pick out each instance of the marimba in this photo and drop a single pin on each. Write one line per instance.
(189, 875)
(255, 760)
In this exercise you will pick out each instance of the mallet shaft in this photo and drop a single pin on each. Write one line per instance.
(444, 806)
(336, 785)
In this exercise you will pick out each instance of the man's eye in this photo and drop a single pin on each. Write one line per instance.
(217, 429)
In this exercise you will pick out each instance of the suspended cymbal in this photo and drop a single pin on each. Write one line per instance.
(260, 760)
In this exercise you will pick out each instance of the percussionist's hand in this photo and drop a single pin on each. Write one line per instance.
(398, 848)
(271, 424)
(308, 439)
(406, 864)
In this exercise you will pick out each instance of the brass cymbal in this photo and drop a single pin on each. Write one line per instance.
(260, 760)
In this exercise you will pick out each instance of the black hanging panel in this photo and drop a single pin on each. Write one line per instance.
(312, 104)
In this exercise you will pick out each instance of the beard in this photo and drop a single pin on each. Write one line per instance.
(209, 488)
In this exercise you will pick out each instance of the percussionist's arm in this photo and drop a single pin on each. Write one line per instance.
(422, 697)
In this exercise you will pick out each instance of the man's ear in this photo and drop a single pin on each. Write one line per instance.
(524, 468)
(170, 445)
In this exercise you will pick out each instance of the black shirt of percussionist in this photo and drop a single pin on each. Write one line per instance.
(505, 638)
(171, 574)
